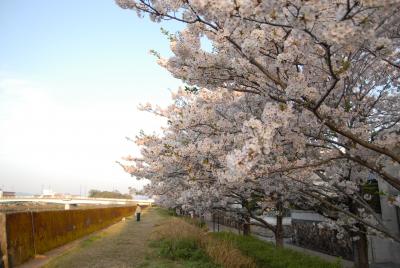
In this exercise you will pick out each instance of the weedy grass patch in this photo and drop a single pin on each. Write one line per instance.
(185, 251)
(164, 212)
(179, 239)
(186, 239)
(267, 255)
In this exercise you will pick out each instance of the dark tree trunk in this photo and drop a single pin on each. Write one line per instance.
(279, 232)
(361, 251)
(279, 225)
(213, 220)
(360, 246)
(246, 225)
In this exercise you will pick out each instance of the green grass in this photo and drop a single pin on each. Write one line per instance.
(164, 212)
(195, 221)
(184, 251)
(267, 255)
(175, 252)
(171, 213)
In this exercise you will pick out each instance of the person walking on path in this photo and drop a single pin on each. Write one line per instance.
(138, 211)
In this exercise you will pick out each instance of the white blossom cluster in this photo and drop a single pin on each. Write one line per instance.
(297, 105)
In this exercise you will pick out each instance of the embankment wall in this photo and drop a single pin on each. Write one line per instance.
(32, 233)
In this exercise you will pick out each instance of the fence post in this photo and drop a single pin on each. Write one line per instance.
(218, 221)
(213, 219)
(3, 242)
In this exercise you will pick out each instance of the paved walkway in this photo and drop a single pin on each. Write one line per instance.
(121, 245)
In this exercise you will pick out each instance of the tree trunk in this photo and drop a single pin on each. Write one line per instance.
(360, 246)
(246, 225)
(279, 225)
(279, 232)
(361, 251)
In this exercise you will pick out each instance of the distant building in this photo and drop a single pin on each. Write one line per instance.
(47, 193)
(6, 194)
(141, 197)
(143, 200)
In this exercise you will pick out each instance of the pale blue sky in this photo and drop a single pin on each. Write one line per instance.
(72, 73)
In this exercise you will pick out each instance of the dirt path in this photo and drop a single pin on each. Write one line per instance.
(122, 245)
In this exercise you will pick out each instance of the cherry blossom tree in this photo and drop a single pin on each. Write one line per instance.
(335, 62)
(192, 153)
(205, 148)
(317, 83)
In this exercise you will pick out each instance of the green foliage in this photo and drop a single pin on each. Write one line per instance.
(108, 194)
(267, 255)
(345, 65)
(165, 212)
(193, 90)
(263, 253)
(171, 37)
(155, 53)
(373, 189)
(186, 250)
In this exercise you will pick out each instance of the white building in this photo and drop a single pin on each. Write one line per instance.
(47, 193)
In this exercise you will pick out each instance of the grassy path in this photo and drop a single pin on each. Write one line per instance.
(177, 244)
(122, 245)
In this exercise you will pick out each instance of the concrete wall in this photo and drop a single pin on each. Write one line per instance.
(272, 220)
(30, 233)
(383, 250)
(305, 215)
